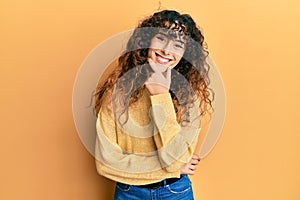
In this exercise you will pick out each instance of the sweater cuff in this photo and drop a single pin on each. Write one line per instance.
(162, 99)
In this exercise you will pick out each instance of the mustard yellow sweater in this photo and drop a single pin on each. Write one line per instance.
(150, 146)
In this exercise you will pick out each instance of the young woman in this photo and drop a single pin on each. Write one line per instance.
(149, 110)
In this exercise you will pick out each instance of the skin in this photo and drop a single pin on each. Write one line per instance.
(164, 54)
(166, 51)
(190, 167)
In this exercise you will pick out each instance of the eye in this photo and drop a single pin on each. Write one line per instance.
(160, 38)
(178, 46)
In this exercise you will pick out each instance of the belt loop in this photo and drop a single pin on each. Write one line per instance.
(165, 182)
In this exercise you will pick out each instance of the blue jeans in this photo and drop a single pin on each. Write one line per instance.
(179, 190)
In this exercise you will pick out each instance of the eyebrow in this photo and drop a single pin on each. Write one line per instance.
(166, 35)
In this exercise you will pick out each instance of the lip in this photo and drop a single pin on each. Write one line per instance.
(162, 59)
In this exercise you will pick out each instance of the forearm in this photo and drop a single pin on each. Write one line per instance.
(175, 144)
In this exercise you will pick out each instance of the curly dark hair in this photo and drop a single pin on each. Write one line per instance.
(126, 82)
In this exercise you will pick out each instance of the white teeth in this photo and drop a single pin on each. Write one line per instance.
(162, 60)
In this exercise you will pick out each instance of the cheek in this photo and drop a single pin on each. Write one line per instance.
(154, 44)
(178, 58)
(176, 61)
(178, 53)
(150, 52)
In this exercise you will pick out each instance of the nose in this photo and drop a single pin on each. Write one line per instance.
(166, 49)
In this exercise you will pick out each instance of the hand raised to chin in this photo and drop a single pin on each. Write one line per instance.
(159, 82)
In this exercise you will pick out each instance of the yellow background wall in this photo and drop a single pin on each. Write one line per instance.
(255, 45)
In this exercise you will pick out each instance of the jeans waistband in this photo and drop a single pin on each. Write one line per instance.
(159, 184)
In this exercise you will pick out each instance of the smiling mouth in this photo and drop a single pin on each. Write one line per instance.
(161, 60)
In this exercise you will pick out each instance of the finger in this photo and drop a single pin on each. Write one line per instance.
(191, 172)
(195, 156)
(167, 73)
(194, 162)
(193, 167)
(158, 78)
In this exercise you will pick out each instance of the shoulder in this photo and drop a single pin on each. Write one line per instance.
(105, 103)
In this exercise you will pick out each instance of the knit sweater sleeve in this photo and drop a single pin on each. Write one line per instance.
(110, 157)
(176, 144)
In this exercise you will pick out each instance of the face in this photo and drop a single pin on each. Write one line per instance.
(166, 49)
